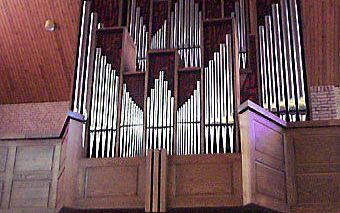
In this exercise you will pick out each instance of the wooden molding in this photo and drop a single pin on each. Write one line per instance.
(249, 105)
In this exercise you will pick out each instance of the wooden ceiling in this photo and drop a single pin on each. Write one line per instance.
(36, 65)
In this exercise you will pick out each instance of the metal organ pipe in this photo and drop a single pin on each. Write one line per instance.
(297, 52)
(185, 32)
(158, 41)
(279, 61)
(219, 100)
(131, 127)
(160, 105)
(188, 125)
(139, 34)
(240, 11)
(281, 65)
(263, 68)
(103, 116)
(270, 61)
(83, 60)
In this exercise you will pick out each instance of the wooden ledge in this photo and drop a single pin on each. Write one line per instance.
(162, 51)
(217, 20)
(19, 137)
(314, 124)
(112, 29)
(76, 116)
(249, 105)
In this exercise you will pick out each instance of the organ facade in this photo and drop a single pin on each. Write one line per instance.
(184, 106)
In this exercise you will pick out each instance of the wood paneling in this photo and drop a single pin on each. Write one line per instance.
(321, 32)
(263, 159)
(28, 175)
(111, 183)
(71, 153)
(97, 175)
(204, 180)
(317, 167)
(36, 65)
(28, 194)
(3, 158)
(34, 158)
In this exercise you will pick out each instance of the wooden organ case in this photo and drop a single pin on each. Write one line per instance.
(156, 121)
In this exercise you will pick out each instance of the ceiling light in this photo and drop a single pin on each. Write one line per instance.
(49, 25)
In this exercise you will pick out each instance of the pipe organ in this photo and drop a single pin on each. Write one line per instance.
(281, 64)
(160, 116)
(158, 40)
(104, 108)
(189, 125)
(185, 32)
(131, 125)
(139, 33)
(219, 101)
(240, 16)
(169, 74)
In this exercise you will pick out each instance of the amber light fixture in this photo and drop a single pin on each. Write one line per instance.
(49, 25)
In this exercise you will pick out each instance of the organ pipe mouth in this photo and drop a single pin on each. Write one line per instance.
(49, 25)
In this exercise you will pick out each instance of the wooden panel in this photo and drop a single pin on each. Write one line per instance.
(317, 149)
(249, 77)
(213, 9)
(32, 158)
(108, 12)
(187, 177)
(214, 32)
(187, 79)
(30, 194)
(36, 65)
(3, 158)
(29, 178)
(267, 178)
(204, 180)
(321, 31)
(60, 189)
(160, 60)
(229, 7)
(318, 188)
(264, 136)
(111, 183)
(113, 186)
(111, 42)
(1, 190)
(68, 170)
(263, 158)
(159, 15)
(135, 85)
(317, 166)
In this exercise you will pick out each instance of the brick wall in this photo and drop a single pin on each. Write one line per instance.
(32, 119)
(337, 98)
(325, 102)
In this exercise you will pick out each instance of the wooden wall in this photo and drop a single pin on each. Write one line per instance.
(28, 175)
(317, 167)
(112, 183)
(264, 170)
(204, 181)
(321, 33)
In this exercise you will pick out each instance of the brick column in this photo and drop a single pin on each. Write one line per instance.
(325, 102)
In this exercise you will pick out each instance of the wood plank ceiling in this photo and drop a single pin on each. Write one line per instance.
(36, 65)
